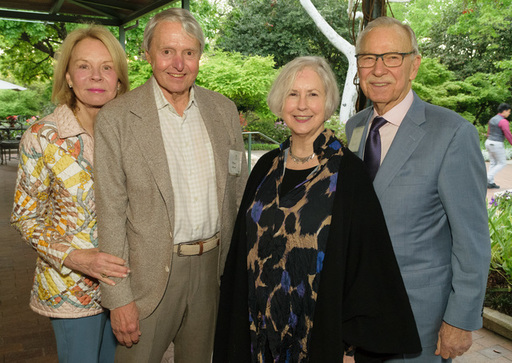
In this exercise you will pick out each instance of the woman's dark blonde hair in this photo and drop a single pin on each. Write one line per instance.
(61, 93)
(284, 83)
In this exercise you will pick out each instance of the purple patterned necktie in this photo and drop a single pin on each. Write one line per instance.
(373, 148)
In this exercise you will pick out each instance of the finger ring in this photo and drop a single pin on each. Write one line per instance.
(103, 275)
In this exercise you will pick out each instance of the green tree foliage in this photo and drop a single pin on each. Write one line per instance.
(245, 80)
(437, 85)
(210, 14)
(472, 41)
(29, 49)
(473, 98)
(283, 29)
(139, 72)
(467, 36)
(31, 102)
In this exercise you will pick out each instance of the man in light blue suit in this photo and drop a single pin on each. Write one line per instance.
(432, 186)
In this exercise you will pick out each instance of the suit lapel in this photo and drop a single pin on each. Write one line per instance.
(145, 125)
(407, 139)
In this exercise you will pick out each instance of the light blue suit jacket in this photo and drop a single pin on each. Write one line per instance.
(432, 188)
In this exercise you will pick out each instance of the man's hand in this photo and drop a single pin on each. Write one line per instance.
(125, 324)
(453, 341)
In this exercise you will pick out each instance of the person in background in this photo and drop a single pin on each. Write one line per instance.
(170, 171)
(54, 206)
(311, 274)
(429, 174)
(497, 131)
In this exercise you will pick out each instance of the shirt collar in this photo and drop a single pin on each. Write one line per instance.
(66, 122)
(162, 102)
(397, 114)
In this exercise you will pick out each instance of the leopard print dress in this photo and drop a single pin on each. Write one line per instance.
(286, 238)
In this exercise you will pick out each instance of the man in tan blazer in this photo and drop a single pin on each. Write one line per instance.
(170, 170)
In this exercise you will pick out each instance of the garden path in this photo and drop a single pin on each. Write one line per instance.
(503, 179)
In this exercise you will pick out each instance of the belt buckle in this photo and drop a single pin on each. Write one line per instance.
(178, 252)
(201, 251)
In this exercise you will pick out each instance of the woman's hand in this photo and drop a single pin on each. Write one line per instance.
(348, 357)
(99, 265)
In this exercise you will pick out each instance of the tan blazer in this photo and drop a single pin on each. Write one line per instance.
(134, 195)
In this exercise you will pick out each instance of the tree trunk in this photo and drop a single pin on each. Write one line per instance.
(349, 93)
(372, 9)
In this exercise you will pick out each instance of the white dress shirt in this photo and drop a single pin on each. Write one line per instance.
(192, 168)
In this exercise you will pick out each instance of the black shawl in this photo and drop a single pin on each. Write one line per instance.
(361, 300)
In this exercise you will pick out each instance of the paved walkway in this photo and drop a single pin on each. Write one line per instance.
(26, 337)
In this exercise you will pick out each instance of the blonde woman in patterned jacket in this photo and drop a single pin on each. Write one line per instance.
(54, 207)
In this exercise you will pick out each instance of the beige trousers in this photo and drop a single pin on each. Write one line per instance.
(185, 316)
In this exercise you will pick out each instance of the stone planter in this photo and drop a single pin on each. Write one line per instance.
(498, 322)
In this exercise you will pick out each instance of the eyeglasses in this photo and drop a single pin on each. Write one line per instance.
(391, 59)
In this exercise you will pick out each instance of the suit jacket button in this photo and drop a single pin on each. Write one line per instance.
(167, 269)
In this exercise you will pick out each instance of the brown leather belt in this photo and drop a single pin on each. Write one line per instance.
(196, 248)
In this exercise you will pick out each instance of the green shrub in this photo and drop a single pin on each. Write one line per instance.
(276, 130)
(139, 72)
(500, 229)
(338, 127)
(35, 101)
(499, 299)
(243, 79)
(259, 146)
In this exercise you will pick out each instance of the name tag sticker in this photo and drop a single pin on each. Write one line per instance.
(355, 140)
(235, 162)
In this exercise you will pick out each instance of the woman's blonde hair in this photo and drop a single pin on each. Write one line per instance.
(284, 83)
(61, 92)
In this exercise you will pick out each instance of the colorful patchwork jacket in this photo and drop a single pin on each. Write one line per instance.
(54, 211)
